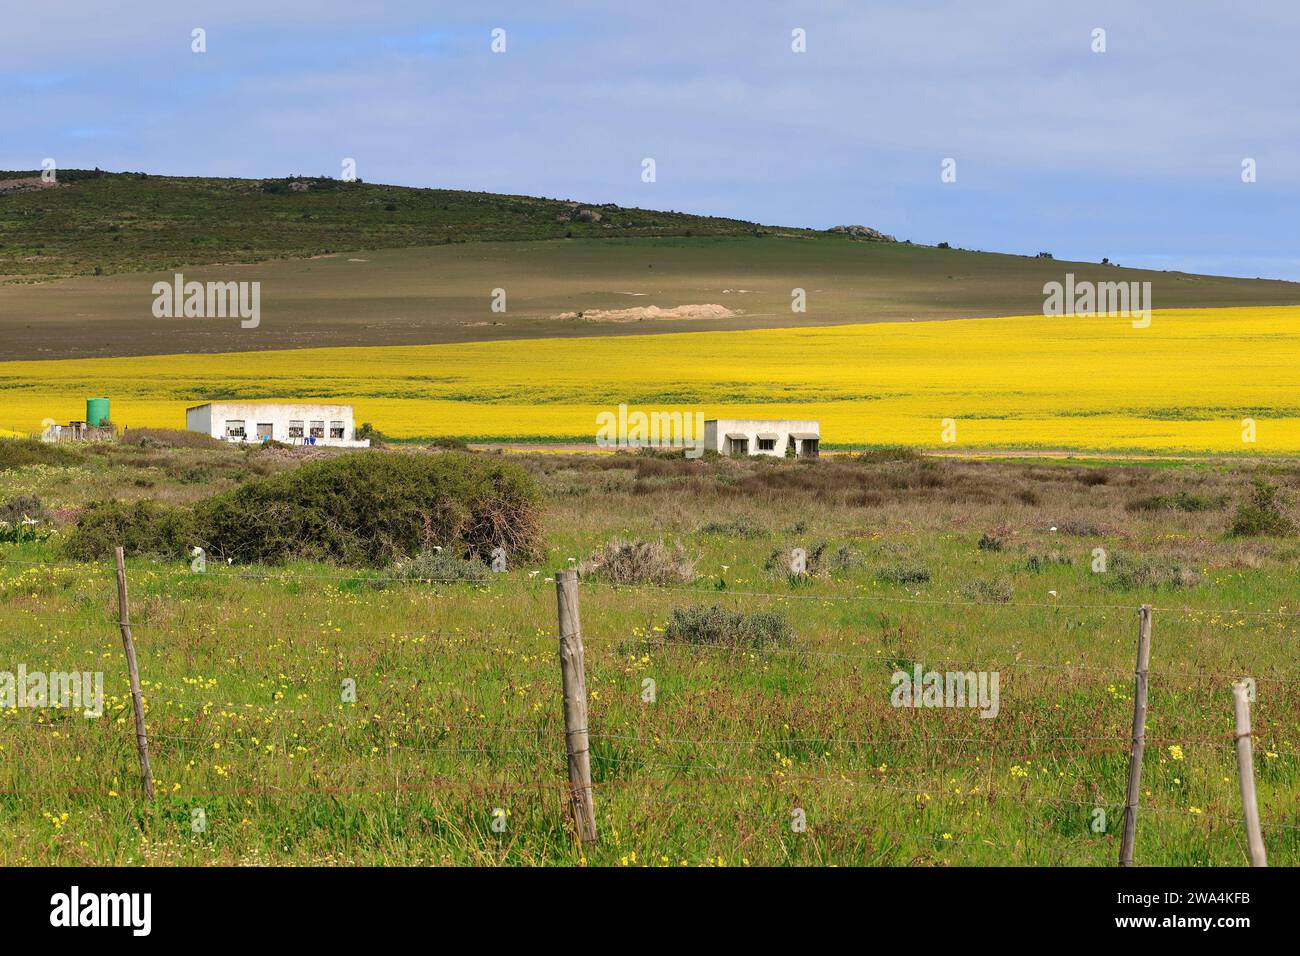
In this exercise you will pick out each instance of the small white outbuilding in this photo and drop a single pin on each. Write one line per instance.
(294, 423)
(775, 437)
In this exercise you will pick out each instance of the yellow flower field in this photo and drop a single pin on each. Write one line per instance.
(1183, 384)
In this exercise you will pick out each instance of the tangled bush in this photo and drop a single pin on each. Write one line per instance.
(23, 508)
(434, 565)
(374, 508)
(1128, 574)
(639, 562)
(990, 592)
(782, 561)
(1262, 514)
(366, 509)
(1037, 563)
(904, 574)
(141, 528)
(725, 628)
(848, 557)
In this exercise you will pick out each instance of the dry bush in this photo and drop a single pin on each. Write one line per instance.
(639, 562)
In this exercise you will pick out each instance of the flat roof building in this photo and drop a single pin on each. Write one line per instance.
(293, 423)
(799, 438)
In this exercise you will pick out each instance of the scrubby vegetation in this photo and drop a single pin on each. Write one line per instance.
(1262, 513)
(126, 222)
(639, 562)
(365, 509)
(141, 528)
(439, 566)
(374, 508)
(713, 710)
(20, 452)
(723, 627)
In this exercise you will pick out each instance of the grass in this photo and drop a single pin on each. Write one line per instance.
(458, 713)
(1018, 382)
(132, 222)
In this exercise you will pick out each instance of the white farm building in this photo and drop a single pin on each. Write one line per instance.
(294, 423)
(775, 437)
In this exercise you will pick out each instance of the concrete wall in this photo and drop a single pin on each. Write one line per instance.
(717, 430)
(213, 419)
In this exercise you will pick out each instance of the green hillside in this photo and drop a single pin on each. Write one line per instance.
(96, 222)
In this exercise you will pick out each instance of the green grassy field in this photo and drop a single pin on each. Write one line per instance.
(458, 708)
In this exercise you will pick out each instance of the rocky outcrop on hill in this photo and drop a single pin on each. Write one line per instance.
(862, 232)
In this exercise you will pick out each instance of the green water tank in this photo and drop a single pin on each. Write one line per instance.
(96, 411)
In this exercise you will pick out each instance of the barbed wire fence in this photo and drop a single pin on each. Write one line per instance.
(580, 790)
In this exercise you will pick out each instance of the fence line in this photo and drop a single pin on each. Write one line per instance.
(1116, 670)
(363, 578)
(580, 786)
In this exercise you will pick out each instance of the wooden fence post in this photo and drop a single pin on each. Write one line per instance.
(1139, 736)
(1246, 775)
(124, 618)
(574, 679)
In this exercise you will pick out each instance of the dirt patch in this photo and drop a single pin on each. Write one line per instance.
(680, 313)
(25, 184)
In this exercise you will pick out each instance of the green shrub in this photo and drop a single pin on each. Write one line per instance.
(447, 443)
(18, 452)
(904, 574)
(1262, 514)
(442, 565)
(374, 508)
(848, 557)
(720, 626)
(887, 453)
(781, 561)
(990, 542)
(141, 528)
(1041, 562)
(1128, 574)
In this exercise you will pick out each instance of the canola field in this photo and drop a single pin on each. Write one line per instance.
(1198, 380)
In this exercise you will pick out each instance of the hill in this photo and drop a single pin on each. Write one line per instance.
(96, 222)
(358, 264)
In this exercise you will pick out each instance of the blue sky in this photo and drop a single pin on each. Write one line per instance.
(1134, 153)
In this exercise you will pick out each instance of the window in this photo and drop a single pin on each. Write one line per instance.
(767, 444)
(317, 430)
(295, 429)
(264, 431)
(336, 429)
(739, 446)
(235, 429)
